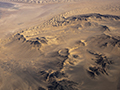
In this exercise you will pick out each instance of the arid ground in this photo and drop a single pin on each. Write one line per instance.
(59, 44)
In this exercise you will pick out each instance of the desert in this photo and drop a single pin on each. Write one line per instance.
(59, 45)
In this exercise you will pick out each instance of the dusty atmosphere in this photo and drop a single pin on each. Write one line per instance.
(59, 44)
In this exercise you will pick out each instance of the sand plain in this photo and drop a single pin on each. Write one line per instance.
(60, 45)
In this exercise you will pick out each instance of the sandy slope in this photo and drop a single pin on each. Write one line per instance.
(76, 48)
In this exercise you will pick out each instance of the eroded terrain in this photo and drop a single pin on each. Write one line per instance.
(67, 52)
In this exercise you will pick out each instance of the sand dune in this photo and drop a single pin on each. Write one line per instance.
(44, 1)
(77, 49)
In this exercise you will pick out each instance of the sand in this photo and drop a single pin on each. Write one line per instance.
(60, 45)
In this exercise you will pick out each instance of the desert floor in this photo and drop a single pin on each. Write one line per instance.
(59, 45)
